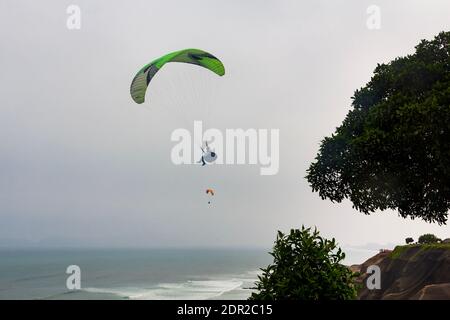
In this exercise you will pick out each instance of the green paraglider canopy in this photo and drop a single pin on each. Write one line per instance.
(194, 56)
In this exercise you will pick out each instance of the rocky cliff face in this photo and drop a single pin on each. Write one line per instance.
(409, 272)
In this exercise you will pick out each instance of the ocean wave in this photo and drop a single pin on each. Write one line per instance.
(189, 290)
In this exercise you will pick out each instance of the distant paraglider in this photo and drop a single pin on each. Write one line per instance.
(210, 192)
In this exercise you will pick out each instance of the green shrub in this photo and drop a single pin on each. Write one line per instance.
(305, 267)
(428, 238)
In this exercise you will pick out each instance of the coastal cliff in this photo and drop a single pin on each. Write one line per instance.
(417, 272)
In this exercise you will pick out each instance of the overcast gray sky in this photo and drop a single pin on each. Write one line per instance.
(82, 164)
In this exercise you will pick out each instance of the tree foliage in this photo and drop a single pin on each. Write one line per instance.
(409, 240)
(306, 267)
(428, 238)
(392, 151)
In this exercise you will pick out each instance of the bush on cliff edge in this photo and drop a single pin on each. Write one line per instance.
(305, 267)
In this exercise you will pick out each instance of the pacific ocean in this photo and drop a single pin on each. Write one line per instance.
(136, 273)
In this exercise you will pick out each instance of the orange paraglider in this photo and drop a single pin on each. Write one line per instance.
(210, 192)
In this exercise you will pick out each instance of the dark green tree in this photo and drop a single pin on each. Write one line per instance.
(409, 240)
(305, 267)
(392, 151)
(428, 238)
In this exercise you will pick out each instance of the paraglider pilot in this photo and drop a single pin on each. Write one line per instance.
(208, 156)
